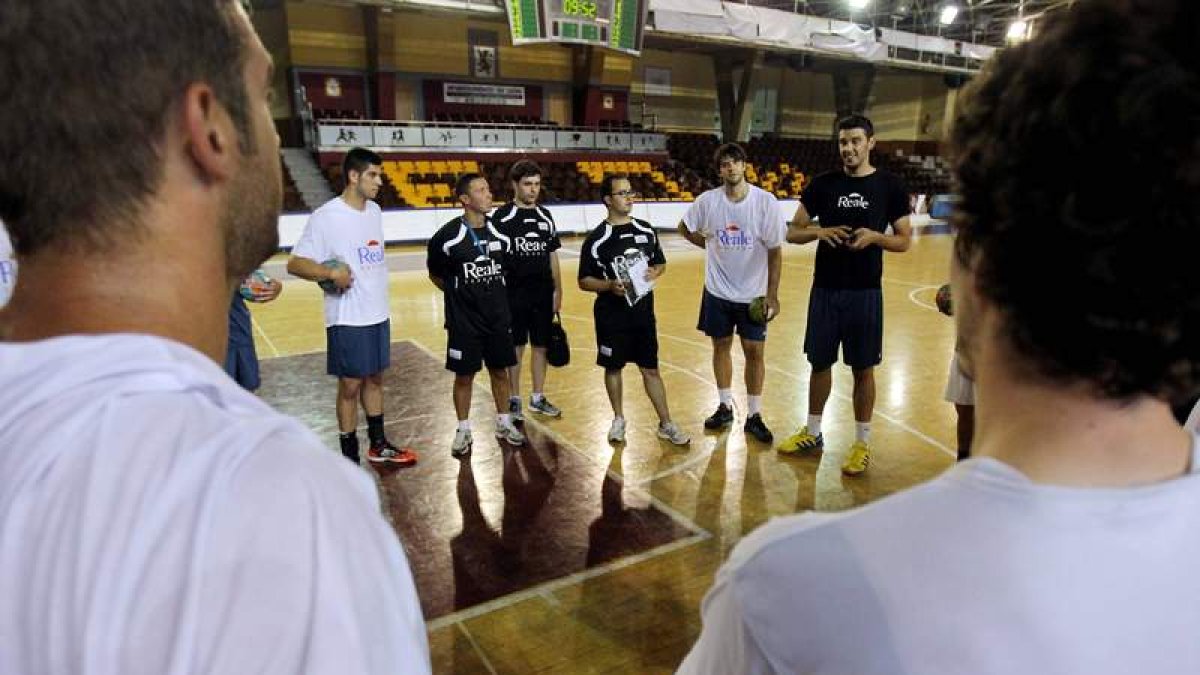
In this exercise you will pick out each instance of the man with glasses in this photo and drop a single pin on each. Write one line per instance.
(626, 329)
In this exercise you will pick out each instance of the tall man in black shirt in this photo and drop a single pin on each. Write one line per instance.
(848, 213)
(534, 285)
(466, 259)
(625, 332)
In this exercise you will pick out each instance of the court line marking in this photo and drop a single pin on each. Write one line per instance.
(912, 295)
(254, 322)
(919, 434)
(562, 582)
(487, 663)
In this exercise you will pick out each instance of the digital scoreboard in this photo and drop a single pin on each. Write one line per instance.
(616, 24)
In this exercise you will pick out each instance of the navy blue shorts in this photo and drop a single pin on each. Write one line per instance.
(241, 362)
(358, 351)
(852, 318)
(617, 346)
(718, 319)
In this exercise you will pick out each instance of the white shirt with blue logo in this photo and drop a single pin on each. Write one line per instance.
(338, 230)
(738, 235)
(8, 267)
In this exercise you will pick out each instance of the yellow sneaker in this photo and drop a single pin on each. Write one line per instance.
(801, 441)
(857, 460)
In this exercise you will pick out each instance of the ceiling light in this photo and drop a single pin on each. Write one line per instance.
(859, 4)
(948, 14)
(1018, 30)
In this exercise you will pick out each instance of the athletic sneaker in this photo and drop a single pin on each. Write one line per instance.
(514, 409)
(801, 441)
(616, 432)
(509, 434)
(722, 418)
(384, 451)
(858, 459)
(461, 446)
(545, 407)
(756, 427)
(671, 432)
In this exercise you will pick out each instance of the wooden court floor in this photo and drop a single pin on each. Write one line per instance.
(659, 519)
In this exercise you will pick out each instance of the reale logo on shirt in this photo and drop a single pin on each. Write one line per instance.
(853, 201)
(530, 245)
(482, 270)
(733, 237)
(371, 255)
(8, 272)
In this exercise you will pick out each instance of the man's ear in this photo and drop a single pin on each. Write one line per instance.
(209, 133)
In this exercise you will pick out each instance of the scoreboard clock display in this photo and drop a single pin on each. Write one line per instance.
(616, 24)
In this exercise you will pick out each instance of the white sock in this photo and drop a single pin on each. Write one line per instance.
(755, 404)
(618, 418)
(862, 431)
(464, 425)
(504, 420)
(726, 396)
(814, 425)
(536, 397)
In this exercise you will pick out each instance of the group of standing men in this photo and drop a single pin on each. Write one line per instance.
(502, 289)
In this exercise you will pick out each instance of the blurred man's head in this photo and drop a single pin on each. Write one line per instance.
(856, 140)
(1079, 223)
(363, 171)
(96, 94)
(618, 195)
(526, 178)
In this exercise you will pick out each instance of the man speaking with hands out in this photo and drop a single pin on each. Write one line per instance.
(848, 213)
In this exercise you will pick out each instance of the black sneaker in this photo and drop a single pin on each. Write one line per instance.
(722, 418)
(756, 427)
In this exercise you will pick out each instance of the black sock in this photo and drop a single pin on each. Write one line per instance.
(349, 441)
(375, 428)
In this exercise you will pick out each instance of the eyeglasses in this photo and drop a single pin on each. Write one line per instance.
(624, 194)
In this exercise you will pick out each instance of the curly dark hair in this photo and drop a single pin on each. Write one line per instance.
(1078, 162)
(523, 169)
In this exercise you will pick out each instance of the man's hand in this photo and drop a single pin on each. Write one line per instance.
(341, 276)
(270, 292)
(834, 236)
(864, 237)
(772, 307)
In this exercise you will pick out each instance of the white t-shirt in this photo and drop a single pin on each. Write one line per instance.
(738, 234)
(337, 230)
(155, 518)
(8, 267)
(1193, 421)
(978, 571)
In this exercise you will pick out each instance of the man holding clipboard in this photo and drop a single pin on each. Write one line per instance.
(624, 309)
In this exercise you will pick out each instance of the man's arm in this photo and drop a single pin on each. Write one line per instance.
(896, 243)
(802, 230)
(554, 272)
(696, 238)
(312, 270)
(594, 285)
(774, 270)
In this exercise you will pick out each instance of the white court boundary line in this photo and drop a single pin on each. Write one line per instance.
(538, 591)
(266, 338)
(912, 295)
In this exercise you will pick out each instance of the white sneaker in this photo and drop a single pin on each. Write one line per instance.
(671, 432)
(510, 434)
(616, 432)
(462, 443)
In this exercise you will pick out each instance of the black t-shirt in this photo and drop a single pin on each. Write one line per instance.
(874, 201)
(606, 245)
(534, 238)
(471, 263)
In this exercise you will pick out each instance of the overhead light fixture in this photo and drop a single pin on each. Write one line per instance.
(859, 4)
(1018, 31)
(949, 12)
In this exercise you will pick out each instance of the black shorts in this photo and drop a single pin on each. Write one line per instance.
(358, 351)
(531, 308)
(852, 318)
(620, 345)
(468, 351)
(719, 317)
